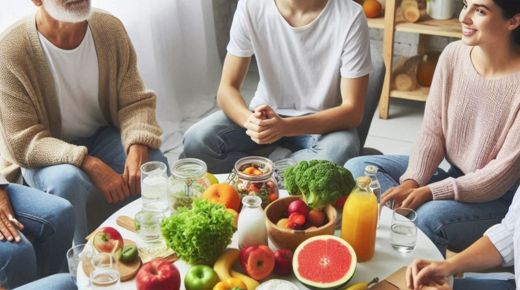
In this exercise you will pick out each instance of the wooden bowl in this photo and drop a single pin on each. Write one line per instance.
(288, 238)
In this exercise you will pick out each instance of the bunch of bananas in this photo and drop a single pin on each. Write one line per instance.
(223, 267)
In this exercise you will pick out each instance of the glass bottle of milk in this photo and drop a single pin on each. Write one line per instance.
(154, 181)
(251, 223)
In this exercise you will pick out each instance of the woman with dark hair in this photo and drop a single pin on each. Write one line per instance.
(472, 120)
(491, 32)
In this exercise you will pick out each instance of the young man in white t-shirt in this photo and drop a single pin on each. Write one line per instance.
(313, 59)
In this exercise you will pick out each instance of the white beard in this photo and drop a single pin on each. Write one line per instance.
(61, 13)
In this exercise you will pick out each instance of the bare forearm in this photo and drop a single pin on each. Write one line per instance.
(233, 105)
(333, 119)
(481, 255)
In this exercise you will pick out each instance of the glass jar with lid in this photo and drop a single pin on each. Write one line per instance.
(253, 175)
(188, 181)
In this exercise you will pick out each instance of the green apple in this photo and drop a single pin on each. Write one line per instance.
(201, 277)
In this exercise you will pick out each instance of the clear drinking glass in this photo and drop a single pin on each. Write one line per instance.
(149, 239)
(154, 186)
(106, 272)
(403, 230)
(280, 167)
(76, 255)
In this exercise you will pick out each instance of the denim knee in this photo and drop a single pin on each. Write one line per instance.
(67, 181)
(197, 139)
(357, 165)
(63, 219)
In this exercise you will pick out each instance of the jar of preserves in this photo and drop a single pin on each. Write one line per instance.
(253, 175)
(188, 181)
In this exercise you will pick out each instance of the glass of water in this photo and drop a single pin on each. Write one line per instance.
(280, 167)
(79, 254)
(149, 239)
(403, 230)
(154, 186)
(106, 272)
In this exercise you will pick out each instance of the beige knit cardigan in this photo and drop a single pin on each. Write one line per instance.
(30, 120)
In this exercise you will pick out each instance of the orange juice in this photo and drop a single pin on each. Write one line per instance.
(359, 221)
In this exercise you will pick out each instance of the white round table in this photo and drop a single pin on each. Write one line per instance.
(385, 261)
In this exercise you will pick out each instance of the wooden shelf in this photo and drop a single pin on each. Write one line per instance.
(378, 23)
(420, 94)
(448, 28)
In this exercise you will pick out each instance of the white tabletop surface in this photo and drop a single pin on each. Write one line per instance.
(385, 261)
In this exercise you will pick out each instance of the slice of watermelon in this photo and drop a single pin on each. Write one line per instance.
(324, 262)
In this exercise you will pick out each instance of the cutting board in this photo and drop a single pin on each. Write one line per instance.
(127, 271)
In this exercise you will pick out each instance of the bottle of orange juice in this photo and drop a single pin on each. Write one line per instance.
(359, 221)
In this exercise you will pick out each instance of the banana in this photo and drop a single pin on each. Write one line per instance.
(362, 285)
(250, 282)
(225, 262)
(358, 286)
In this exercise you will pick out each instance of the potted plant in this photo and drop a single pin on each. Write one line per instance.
(440, 9)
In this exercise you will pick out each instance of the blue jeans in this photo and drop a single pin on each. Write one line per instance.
(55, 282)
(73, 184)
(47, 235)
(220, 143)
(483, 284)
(448, 223)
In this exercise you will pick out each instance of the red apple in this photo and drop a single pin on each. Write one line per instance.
(108, 238)
(257, 261)
(296, 221)
(283, 261)
(158, 274)
(316, 217)
(298, 206)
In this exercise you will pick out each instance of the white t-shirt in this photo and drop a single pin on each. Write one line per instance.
(76, 78)
(301, 67)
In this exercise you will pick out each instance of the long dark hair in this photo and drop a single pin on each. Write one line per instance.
(509, 9)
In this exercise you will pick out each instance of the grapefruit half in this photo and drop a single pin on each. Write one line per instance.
(324, 262)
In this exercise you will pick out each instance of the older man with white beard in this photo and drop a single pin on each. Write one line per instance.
(75, 115)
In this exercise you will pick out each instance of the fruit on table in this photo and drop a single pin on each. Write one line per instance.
(230, 284)
(362, 285)
(257, 261)
(212, 178)
(108, 240)
(224, 263)
(316, 217)
(223, 194)
(251, 283)
(200, 277)
(158, 274)
(283, 261)
(298, 206)
(324, 262)
(128, 253)
(296, 221)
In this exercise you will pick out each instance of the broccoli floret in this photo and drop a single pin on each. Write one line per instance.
(319, 182)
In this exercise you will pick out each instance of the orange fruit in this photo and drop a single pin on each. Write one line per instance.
(224, 194)
(372, 8)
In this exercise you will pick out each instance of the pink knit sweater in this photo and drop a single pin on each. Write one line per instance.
(473, 122)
